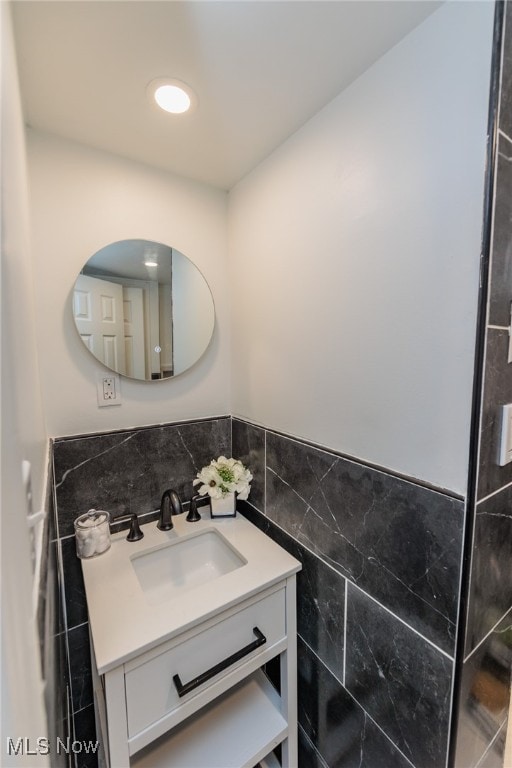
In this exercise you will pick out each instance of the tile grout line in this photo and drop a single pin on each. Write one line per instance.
(491, 743)
(502, 133)
(141, 428)
(83, 708)
(77, 626)
(503, 617)
(494, 493)
(437, 648)
(319, 754)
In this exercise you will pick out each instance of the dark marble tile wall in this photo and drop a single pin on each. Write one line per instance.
(377, 594)
(398, 541)
(128, 471)
(52, 637)
(491, 585)
(119, 472)
(402, 681)
(320, 596)
(342, 732)
(376, 600)
(484, 680)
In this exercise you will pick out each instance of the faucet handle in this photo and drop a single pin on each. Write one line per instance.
(135, 532)
(193, 515)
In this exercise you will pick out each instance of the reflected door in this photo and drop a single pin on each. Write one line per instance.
(134, 345)
(98, 311)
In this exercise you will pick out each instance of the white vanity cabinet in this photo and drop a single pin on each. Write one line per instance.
(234, 718)
(199, 697)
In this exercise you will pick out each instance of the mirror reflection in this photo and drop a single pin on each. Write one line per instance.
(143, 309)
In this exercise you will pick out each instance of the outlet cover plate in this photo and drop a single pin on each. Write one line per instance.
(108, 389)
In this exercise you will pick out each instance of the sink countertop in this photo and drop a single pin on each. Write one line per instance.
(124, 624)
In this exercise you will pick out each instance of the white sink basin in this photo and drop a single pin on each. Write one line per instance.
(132, 610)
(178, 566)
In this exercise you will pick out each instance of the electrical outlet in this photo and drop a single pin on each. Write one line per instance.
(108, 390)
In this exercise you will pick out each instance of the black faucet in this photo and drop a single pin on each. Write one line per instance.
(170, 505)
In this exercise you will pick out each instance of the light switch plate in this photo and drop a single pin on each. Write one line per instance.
(510, 337)
(505, 448)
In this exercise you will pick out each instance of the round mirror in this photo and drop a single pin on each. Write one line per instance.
(143, 309)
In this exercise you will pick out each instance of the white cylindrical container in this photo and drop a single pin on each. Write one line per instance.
(92, 533)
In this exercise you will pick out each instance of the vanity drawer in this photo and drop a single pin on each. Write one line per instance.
(151, 693)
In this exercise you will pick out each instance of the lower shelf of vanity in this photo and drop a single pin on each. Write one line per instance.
(237, 730)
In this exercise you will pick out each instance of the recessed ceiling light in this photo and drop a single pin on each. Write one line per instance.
(172, 95)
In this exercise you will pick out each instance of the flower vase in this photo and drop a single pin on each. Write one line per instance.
(223, 507)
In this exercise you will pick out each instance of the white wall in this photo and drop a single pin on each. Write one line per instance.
(83, 199)
(23, 433)
(354, 253)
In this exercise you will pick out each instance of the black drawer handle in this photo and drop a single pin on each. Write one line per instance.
(220, 667)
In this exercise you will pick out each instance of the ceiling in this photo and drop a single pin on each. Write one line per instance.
(126, 258)
(260, 70)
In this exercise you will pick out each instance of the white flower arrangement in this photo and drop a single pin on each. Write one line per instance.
(223, 476)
